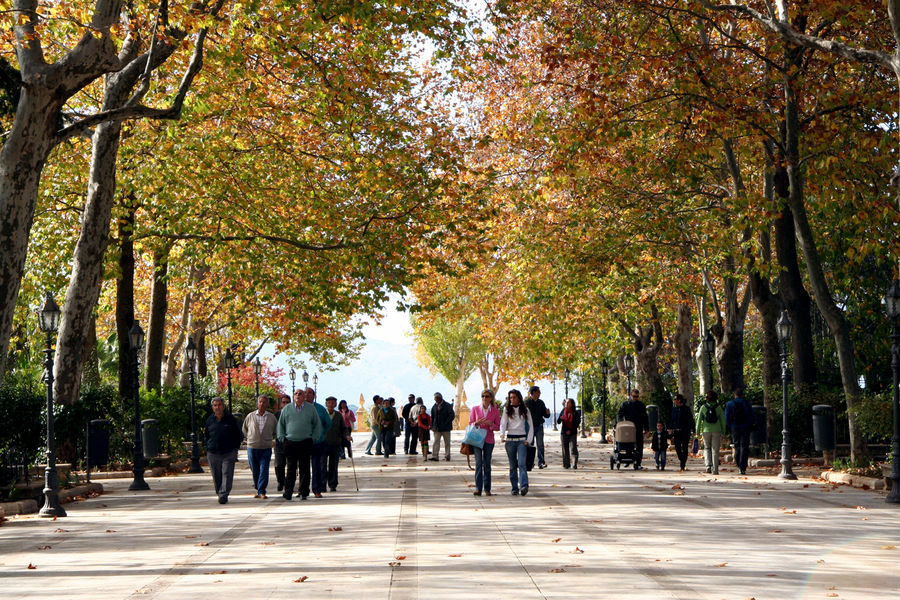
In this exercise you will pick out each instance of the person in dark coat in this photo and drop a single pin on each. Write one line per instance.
(739, 418)
(335, 435)
(223, 438)
(569, 420)
(280, 460)
(635, 411)
(442, 416)
(659, 443)
(682, 429)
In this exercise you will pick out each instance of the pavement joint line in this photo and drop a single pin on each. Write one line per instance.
(499, 529)
(405, 575)
(164, 581)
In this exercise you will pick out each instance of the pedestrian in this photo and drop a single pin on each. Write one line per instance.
(442, 416)
(398, 425)
(682, 423)
(298, 426)
(633, 410)
(484, 416)
(517, 432)
(350, 421)
(659, 443)
(412, 424)
(317, 456)
(710, 424)
(279, 445)
(424, 423)
(259, 430)
(739, 418)
(336, 434)
(539, 412)
(373, 425)
(223, 438)
(569, 420)
(386, 418)
(411, 433)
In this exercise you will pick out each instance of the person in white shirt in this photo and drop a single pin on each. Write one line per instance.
(517, 432)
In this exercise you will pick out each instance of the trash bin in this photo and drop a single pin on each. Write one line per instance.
(98, 443)
(652, 416)
(759, 434)
(150, 435)
(823, 427)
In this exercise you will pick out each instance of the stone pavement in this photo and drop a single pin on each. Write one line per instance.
(416, 531)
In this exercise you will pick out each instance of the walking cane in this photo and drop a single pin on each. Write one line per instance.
(353, 464)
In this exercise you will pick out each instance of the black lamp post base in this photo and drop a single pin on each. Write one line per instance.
(195, 467)
(787, 475)
(138, 484)
(51, 506)
(894, 496)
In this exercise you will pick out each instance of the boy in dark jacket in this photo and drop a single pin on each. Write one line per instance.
(659, 443)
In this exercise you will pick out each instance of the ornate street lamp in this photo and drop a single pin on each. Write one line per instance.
(892, 302)
(604, 370)
(629, 365)
(229, 365)
(316, 384)
(305, 378)
(553, 382)
(709, 346)
(566, 387)
(191, 352)
(136, 340)
(783, 328)
(583, 404)
(48, 318)
(257, 369)
(293, 376)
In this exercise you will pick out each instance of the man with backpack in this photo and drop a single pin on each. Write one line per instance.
(739, 418)
(711, 425)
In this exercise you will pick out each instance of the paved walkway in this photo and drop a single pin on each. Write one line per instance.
(416, 531)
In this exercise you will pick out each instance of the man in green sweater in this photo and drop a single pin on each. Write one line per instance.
(711, 425)
(298, 426)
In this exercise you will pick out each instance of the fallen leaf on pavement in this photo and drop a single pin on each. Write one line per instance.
(721, 565)
(888, 547)
(556, 540)
(394, 563)
(216, 573)
(775, 531)
(60, 531)
(862, 508)
(401, 557)
(577, 550)
(454, 555)
(202, 544)
(336, 528)
(45, 547)
(31, 566)
(189, 537)
(557, 570)
(301, 579)
(267, 543)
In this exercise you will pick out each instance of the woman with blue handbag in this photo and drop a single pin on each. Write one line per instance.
(517, 431)
(485, 418)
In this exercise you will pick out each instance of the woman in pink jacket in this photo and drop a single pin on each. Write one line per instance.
(484, 416)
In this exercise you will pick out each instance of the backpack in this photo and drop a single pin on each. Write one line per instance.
(712, 415)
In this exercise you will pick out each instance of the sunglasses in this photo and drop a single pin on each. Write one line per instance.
(486, 396)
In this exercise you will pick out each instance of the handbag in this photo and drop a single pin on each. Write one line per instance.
(475, 436)
(466, 449)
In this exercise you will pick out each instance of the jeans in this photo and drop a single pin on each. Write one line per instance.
(569, 448)
(222, 468)
(516, 452)
(539, 444)
(712, 441)
(681, 440)
(741, 442)
(317, 462)
(259, 460)
(387, 441)
(438, 436)
(660, 457)
(483, 466)
(332, 458)
(375, 439)
(297, 455)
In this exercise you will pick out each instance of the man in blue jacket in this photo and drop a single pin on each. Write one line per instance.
(739, 418)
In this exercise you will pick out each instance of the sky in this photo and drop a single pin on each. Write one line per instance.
(387, 366)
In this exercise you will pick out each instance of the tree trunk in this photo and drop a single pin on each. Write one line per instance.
(156, 327)
(647, 343)
(125, 303)
(200, 340)
(682, 342)
(91, 374)
(704, 369)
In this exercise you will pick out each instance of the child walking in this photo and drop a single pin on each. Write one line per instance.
(659, 445)
(424, 421)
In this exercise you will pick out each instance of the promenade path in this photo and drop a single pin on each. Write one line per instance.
(414, 530)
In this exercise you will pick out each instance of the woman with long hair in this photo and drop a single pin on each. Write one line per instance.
(569, 420)
(350, 420)
(517, 432)
(484, 416)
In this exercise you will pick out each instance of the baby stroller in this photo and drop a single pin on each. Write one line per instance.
(624, 450)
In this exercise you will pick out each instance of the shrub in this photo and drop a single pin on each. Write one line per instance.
(22, 422)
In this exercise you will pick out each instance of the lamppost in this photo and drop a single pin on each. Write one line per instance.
(709, 345)
(553, 382)
(604, 370)
(316, 384)
(191, 352)
(629, 365)
(48, 319)
(566, 387)
(583, 403)
(136, 339)
(229, 365)
(257, 369)
(293, 376)
(892, 300)
(305, 378)
(783, 328)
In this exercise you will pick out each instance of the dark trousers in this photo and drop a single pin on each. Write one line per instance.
(297, 455)
(222, 468)
(317, 460)
(279, 465)
(332, 458)
(638, 448)
(569, 448)
(412, 436)
(539, 443)
(388, 442)
(741, 442)
(681, 439)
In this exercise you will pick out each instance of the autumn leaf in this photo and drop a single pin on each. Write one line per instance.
(721, 564)
(557, 570)
(556, 540)
(45, 547)
(577, 550)
(202, 544)
(454, 555)
(301, 579)
(336, 528)
(215, 572)
(31, 566)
